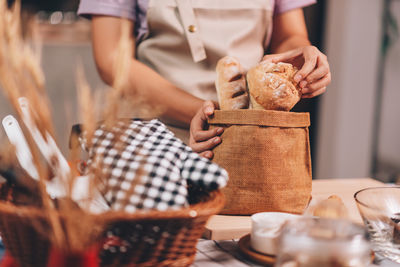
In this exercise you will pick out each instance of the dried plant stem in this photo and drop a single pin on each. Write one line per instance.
(20, 75)
(86, 104)
(48, 205)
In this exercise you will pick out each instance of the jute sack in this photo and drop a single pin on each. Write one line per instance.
(267, 156)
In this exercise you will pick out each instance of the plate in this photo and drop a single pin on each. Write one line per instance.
(245, 248)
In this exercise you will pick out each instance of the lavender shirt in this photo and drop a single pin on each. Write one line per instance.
(136, 10)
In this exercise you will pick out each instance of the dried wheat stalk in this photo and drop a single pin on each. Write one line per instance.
(120, 101)
(87, 108)
(21, 75)
(125, 100)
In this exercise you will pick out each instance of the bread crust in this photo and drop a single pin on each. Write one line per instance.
(231, 84)
(271, 86)
(333, 207)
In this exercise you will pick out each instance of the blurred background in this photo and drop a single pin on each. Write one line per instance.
(355, 128)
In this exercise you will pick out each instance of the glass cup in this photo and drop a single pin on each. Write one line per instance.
(380, 210)
(312, 242)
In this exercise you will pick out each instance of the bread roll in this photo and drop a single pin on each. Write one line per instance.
(271, 86)
(333, 208)
(231, 84)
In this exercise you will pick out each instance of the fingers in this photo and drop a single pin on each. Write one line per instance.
(200, 119)
(324, 82)
(208, 108)
(310, 55)
(200, 147)
(202, 140)
(321, 71)
(315, 93)
(283, 56)
(314, 75)
(200, 136)
(216, 104)
(207, 154)
(267, 58)
(317, 74)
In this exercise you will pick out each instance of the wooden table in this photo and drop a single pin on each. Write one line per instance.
(212, 253)
(221, 227)
(223, 251)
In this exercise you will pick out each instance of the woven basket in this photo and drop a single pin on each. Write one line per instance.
(158, 238)
(20, 238)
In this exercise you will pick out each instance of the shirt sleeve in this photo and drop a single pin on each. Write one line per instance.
(282, 6)
(115, 8)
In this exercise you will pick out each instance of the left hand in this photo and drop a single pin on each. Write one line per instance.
(314, 74)
(203, 140)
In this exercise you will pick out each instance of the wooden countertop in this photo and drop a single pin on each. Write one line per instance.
(222, 227)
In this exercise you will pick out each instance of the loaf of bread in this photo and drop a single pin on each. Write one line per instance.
(231, 84)
(271, 86)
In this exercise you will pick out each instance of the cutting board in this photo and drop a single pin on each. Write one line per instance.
(223, 227)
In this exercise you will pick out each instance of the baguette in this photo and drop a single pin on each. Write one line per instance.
(231, 84)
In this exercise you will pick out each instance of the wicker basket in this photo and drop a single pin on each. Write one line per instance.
(20, 238)
(157, 238)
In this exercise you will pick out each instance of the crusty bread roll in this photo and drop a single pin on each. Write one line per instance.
(231, 84)
(333, 208)
(271, 86)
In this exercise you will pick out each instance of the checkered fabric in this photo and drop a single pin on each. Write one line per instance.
(144, 166)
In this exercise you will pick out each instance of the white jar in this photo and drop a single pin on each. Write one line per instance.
(265, 230)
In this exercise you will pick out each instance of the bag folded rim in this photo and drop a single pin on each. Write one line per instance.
(270, 118)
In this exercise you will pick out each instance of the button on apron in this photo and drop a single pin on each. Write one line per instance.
(192, 28)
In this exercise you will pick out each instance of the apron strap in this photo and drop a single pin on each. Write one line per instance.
(191, 30)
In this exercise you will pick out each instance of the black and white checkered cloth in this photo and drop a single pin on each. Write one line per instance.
(144, 166)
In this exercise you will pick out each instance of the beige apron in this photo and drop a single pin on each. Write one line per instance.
(186, 38)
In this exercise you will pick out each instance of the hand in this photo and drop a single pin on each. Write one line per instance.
(314, 74)
(201, 139)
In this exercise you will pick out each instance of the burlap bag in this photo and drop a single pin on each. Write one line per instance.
(267, 156)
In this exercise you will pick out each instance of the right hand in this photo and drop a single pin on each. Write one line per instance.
(202, 140)
(314, 74)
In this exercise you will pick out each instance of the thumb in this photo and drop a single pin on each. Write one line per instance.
(283, 56)
(268, 58)
(208, 108)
